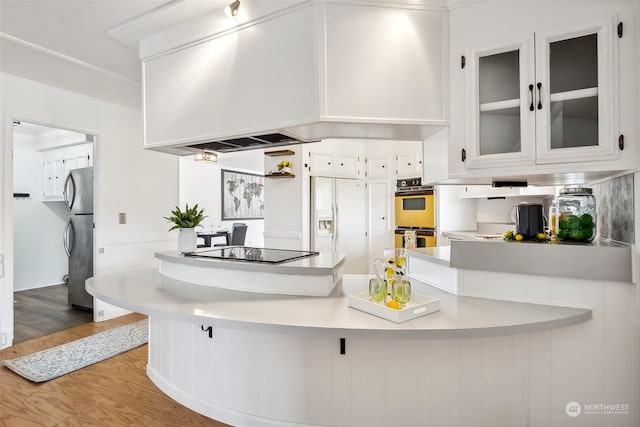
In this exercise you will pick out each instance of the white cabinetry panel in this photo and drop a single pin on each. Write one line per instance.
(409, 165)
(378, 167)
(227, 85)
(57, 164)
(366, 71)
(321, 164)
(315, 70)
(339, 166)
(346, 166)
(53, 179)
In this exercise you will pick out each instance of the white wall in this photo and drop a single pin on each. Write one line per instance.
(200, 182)
(127, 179)
(501, 210)
(453, 212)
(143, 184)
(39, 258)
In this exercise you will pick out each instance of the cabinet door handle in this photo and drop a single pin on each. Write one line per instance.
(209, 330)
(531, 94)
(539, 85)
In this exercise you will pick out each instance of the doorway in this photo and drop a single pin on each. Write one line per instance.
(43, 156)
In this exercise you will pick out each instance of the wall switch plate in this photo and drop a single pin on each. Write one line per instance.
(122, 218)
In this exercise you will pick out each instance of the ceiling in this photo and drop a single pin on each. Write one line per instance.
(73, 44)
(91, 46)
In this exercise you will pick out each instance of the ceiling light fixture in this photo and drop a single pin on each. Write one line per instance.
(206, 156)
(232, 9)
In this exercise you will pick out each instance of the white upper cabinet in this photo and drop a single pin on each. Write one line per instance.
(332, 165)
(311, 71)
(546, 99)
(576, 94)
(500, 126)
(57, 162)
(409, 165)
(378, 167)
(545, 91)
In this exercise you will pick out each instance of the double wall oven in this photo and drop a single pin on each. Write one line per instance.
(415, 211)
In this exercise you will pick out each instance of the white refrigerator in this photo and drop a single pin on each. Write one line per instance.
(339, 220)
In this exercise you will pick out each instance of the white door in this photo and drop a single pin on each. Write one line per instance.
(380, 233)
(351, 224)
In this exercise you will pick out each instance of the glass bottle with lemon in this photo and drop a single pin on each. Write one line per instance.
(398, 284)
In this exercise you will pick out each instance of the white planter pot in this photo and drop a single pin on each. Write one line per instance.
(187, 240)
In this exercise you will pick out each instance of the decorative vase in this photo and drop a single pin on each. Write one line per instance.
(187, 240)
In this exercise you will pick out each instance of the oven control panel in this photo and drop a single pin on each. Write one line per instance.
(408, 182)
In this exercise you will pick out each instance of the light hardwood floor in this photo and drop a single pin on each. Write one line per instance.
(115, 392)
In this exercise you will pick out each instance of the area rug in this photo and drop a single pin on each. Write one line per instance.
(53, 362)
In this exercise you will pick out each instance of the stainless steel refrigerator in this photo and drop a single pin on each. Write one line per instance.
(339, 220)
(78, 235)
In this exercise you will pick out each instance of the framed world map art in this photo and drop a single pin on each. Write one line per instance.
(242, 195)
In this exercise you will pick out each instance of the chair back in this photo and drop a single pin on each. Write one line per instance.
(238, 234)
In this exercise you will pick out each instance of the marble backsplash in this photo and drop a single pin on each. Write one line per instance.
(615, 209)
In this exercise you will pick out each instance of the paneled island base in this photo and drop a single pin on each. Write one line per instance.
(262, 359)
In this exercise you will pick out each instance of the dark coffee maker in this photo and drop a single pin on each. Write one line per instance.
(529, 219)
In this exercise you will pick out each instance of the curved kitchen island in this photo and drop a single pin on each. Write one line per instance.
(248, 358)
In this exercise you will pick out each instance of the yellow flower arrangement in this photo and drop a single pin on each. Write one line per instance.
(284, 164)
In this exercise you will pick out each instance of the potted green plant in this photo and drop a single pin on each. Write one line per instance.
(186, 221)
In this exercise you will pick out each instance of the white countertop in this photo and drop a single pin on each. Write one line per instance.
(146, 291)
(438, 254)
(599, 260)
(555, 259)
(321, 264)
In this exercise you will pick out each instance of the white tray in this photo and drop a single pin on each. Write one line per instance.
(418, 305)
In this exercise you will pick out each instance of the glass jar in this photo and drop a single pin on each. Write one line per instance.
(576, 207)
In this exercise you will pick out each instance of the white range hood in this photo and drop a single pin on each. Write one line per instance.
(309, 72)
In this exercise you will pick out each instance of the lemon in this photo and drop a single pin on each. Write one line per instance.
(401, 262)
(393, 304)
(519, 237)
(389, 272)
(542, 236)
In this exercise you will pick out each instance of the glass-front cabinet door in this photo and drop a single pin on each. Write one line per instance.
(549, 99)
(575, 78)
(501, 122)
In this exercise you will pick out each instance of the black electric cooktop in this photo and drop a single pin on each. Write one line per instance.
(244, 253)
